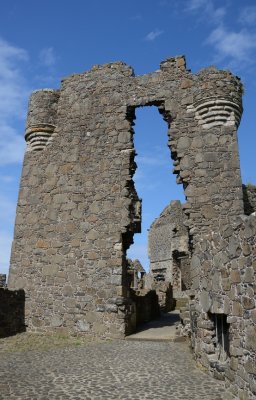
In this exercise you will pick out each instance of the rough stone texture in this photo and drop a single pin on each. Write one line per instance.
(227, 284)
(107, 371)
(78, 208)
(167, 241)
(164, 293)
(135, 274)
(146, 305)
(249, 194)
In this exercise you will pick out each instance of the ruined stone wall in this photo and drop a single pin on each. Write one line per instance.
(146, 303)
(75, 210)
(249, 195)
(227, 288)
(78, 208)
(166, 235)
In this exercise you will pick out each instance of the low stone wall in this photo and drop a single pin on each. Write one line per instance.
(12, 306)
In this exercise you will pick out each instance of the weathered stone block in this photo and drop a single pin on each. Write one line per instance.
(250, 366)
(206, 301)
(82, 326)
(50, 270)
(248, 302)
(237, 309)
(249, 275)
(56, 321)
(250, 338)
(234, 363)
(235, 276)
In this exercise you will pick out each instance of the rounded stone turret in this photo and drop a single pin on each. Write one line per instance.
(218, 99)
(41, 119)
(218, 111)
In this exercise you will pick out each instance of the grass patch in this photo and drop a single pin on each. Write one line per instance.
(23, 342)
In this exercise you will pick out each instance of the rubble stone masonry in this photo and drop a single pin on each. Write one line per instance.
(78, 208)
(168, 242)
(249, 194)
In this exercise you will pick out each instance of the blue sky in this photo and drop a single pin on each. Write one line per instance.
(42, 41)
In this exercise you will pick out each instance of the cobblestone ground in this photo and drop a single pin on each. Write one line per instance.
(109, 370)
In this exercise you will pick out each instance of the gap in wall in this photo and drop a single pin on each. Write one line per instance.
(154, 181)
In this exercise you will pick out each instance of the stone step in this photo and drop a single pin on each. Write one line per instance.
(167, 338)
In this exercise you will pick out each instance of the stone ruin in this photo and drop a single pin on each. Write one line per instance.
(135, 274)
(169, 250)
(78, 209)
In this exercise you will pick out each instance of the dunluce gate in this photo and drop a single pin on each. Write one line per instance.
(78, 208)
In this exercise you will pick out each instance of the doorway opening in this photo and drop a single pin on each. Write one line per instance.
(154, 181)
(163, 244)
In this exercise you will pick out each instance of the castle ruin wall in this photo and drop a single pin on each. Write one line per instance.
(168, 237)
(78, 208)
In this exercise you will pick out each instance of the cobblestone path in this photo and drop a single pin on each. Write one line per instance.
(111, 370)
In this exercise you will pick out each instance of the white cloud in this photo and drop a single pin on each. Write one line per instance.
(237, 46)
(47, 57)
(13, 95)
(12, 83)
(7, 178)
(206, 10)
(233, 47)
(153, 35)
(194, 5)
(8, 55)
(248, 15)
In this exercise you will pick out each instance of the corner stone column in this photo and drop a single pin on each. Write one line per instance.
(216, 193)
(41, 120)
